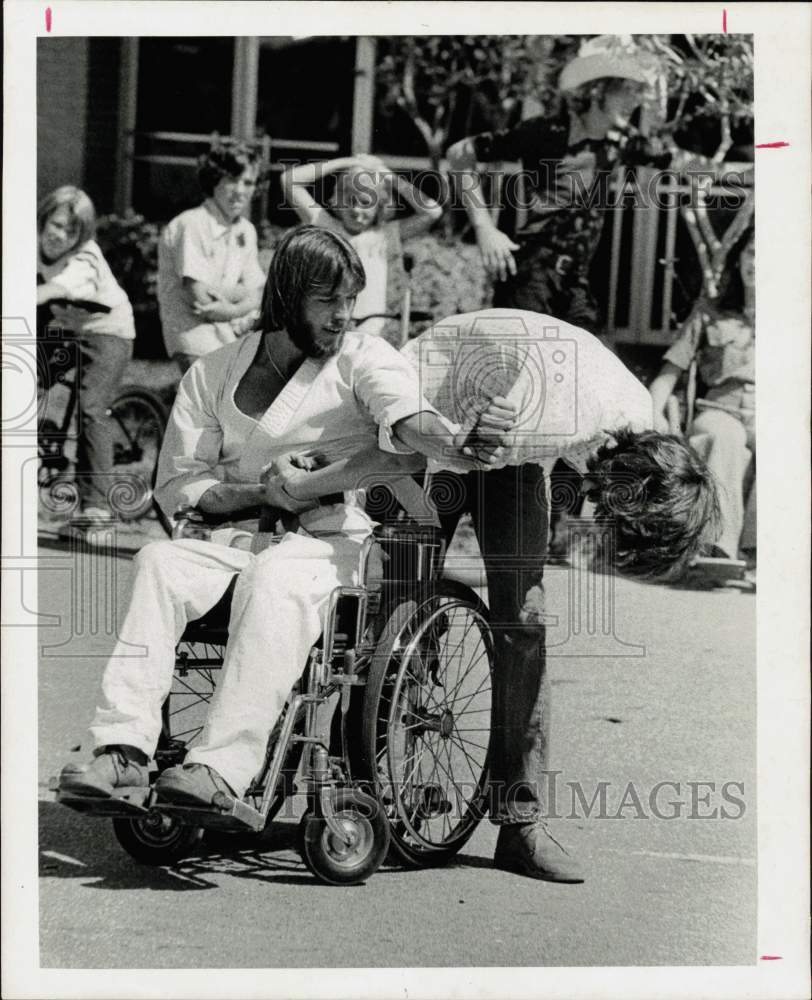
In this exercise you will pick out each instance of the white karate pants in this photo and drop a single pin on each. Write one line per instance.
(277, 614)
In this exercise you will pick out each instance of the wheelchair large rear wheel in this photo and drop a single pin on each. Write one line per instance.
(183, 714)
(426, 720)
(197, 668)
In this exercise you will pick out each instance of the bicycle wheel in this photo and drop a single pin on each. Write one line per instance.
(426, 720)
(139, 421)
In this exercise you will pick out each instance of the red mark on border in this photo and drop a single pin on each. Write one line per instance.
(771, 958)
(48, 19)
(771, 145)
(724, 21)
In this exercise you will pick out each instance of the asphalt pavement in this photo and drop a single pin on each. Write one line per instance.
(653, 733)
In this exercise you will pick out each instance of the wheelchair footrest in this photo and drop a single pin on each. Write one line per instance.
(123, 802)
(232, 815)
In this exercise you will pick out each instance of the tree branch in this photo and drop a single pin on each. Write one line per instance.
(740, 222)
(708, 277)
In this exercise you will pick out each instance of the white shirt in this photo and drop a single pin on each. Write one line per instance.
(202, 245)
(335, 406)
(85, 274)
(570, 390)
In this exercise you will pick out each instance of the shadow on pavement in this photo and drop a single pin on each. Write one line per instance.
(75, 847)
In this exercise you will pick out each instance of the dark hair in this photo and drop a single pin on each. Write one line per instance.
(730, 296)
(307, 258)
(660, 498)
(82, 212)
(226, 158)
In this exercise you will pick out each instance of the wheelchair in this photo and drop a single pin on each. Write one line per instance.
(387, 731)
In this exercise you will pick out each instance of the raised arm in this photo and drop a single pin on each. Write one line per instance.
(425, 211)
(296, 180)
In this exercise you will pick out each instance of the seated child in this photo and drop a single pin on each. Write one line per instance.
(360, 209)
(720, 335)
(82, 308)
(209, 276)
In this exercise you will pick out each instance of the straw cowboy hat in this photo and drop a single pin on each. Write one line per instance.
(607, 56)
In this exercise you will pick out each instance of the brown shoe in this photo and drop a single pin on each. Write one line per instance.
(191, 785)
(114, 767)
(530, 849)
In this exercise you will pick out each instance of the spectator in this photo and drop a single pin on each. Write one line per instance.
(80, 301)
(209, 277)
(301, 385)
(720, 336)
(360, 209)
(567, 156)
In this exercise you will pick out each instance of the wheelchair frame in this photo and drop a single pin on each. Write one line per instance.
(353, 813)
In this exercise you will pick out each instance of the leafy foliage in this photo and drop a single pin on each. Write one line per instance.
(130, 246)
(443, 81)
(700, 107)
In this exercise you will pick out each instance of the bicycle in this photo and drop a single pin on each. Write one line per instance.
(139, 417)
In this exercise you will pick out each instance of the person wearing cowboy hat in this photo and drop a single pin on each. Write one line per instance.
(567, 156)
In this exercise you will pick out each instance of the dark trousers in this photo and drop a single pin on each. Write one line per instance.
(100, 361)
(509, 512)
(538, 287)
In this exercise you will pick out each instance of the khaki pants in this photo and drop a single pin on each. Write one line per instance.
(726, 442)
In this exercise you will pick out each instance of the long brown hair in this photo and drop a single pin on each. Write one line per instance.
(307, 258)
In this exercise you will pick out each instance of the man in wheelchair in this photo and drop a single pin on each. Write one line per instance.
(352, 404)
(340, 401)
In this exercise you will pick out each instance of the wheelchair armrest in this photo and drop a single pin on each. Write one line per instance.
(191, 522)
(198, 516)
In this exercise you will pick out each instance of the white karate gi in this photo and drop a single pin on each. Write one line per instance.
(334, 406)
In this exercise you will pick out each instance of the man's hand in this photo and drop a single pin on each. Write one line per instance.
(280, 478)
(496, 251)
(304, 461)
(492, 434)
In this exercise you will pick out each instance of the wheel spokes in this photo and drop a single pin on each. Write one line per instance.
(424, 746)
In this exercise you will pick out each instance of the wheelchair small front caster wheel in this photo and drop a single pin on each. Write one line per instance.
(155, 839)
(356, 856)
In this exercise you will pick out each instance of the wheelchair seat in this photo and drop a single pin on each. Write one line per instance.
(411, 551)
